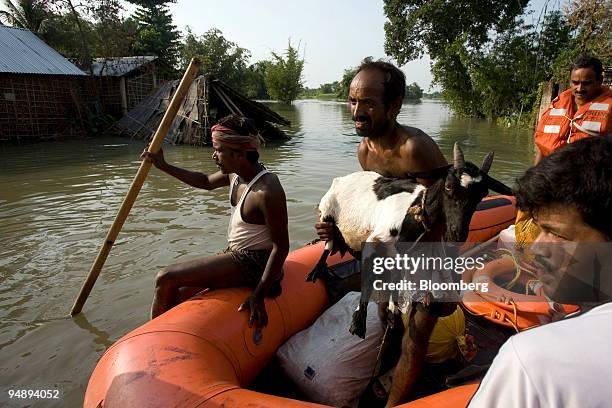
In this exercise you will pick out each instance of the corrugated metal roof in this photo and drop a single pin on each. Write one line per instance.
(21, 52)
(119, 66)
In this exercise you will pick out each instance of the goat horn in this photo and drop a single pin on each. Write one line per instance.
(486, 163)
(458, 159)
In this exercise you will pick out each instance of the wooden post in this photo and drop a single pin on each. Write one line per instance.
(123, 92)
(141, 175)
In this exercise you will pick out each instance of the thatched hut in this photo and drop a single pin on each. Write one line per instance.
(123, 82)
(40, 90)
(207, 101)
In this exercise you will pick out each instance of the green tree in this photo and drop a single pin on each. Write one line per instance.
(156, 33)
(449, 30)
(220, 57)
(329, 88)
(345, 83)
(28, 14)
(255, 81)
(413, 92)
(114, 35)
(284, 75)
(590, 22)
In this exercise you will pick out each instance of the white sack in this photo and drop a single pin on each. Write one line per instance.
(327, 363)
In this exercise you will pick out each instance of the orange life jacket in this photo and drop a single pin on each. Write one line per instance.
(561, 125)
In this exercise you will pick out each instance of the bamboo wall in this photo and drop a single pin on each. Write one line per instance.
(39, 107)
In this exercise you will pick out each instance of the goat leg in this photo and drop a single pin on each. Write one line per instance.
(320, 268)
(358, 325)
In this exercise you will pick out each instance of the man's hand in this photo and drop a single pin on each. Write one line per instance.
(469, 349)
(325, 230)
(156, 158)
(255, 304)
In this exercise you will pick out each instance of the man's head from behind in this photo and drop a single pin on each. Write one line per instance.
(569, 195)
(375, 96)
(586, 77)
(235, 141)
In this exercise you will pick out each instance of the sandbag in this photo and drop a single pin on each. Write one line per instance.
(327, 363)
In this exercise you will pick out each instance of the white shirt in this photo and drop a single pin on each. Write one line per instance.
(563, 364)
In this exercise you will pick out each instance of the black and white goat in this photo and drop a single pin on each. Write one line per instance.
(367, 207)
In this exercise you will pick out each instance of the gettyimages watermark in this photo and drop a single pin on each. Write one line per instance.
(556, 272)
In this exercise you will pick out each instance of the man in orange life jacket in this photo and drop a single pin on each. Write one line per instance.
(582, 111)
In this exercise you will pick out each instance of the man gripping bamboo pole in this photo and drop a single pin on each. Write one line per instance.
(137, 183)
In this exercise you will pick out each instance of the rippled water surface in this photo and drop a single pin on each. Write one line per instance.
(57, 201)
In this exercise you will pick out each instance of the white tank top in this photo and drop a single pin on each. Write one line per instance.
(241, 234)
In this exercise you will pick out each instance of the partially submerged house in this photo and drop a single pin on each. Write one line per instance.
(207, 101)
(123, 82)
(39, 89)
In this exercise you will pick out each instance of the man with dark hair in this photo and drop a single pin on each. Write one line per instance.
(582, 111)
(561, 364)
(376, 95)
(257, 235)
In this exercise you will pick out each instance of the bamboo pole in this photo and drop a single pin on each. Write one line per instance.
(137, 183)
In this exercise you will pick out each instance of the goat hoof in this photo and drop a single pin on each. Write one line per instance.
(318, 271)
(358, 326)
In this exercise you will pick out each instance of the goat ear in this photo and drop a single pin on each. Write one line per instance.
(498, 186)
(486, 163)
(458, 159)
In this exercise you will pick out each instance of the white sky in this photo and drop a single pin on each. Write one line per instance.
(335, 34)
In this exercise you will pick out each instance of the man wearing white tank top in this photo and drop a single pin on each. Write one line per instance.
(258, 240)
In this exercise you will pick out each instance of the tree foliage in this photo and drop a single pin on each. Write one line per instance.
(284, 75)
(416, 25)
(413, 92)
(345, 83)
(488, 62)
(157, 35)
(330, 88)
(28, 14)
(590, 22)
(220, 57)
(255, 81)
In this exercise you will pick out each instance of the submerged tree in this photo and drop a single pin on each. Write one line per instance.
(345, 83)
(413, 92)
(284, 75)
(255, 81)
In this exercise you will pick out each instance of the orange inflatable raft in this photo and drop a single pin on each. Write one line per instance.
(201, 353)
(520, 312)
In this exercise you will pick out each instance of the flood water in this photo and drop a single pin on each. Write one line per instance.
(57, 201)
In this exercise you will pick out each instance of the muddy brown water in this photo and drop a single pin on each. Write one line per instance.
(57, 201)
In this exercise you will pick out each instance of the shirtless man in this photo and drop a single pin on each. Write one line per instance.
(376, 95)
(257, 236)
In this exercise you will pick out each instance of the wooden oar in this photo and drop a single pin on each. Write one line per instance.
(141, 175)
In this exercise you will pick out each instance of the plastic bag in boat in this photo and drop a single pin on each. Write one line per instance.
(327, 363)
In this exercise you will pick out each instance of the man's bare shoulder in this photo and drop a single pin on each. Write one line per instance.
(271, 186)
(418, 147)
